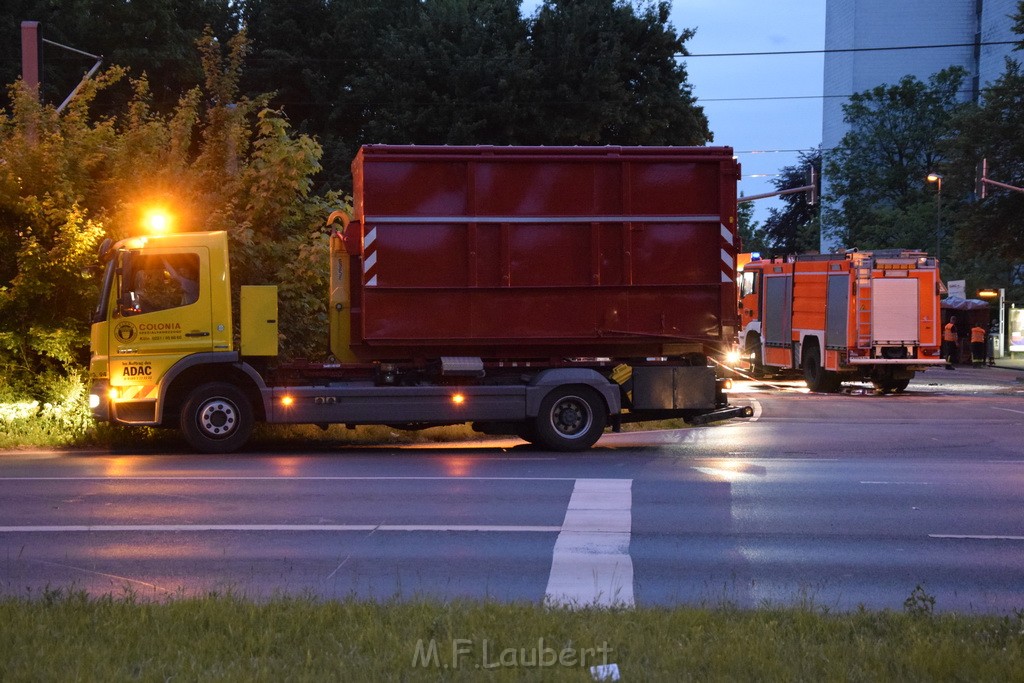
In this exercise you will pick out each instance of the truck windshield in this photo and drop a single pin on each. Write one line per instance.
(99, 314)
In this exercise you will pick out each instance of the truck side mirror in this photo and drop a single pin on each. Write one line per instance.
(129, 304)
(104, 251)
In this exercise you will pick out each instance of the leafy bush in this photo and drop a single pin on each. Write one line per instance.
(218, 161)
(61, 418)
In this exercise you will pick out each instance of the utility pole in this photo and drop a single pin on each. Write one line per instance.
(984, 181)
(32, 61)
(31, 55)
(31, 71)
(936, 178)
(810, 190)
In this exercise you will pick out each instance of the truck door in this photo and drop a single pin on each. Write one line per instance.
(750, 293)
(163, 309)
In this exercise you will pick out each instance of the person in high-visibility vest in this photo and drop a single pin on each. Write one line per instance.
(978, 335)
(950, 342)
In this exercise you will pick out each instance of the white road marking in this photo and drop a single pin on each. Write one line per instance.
(897, 483)
(591, 565)
(284, 478)
(1010, 410)
(726, 474)
(72, 528)
(977, 537)
(757, 410)
(95, 573)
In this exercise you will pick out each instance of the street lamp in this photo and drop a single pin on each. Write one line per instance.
(936, 178)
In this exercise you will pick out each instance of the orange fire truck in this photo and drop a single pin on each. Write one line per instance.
(852, 316)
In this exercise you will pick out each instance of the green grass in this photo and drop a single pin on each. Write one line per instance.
(69, 636)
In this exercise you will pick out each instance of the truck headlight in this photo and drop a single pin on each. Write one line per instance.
(732, 357)
(94, 401)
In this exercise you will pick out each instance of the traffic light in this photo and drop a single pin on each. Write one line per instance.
(812, 186)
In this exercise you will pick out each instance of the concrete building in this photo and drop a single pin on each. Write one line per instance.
(962, 32)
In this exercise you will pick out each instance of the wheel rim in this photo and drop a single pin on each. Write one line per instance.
(217, 418)
(571, 417)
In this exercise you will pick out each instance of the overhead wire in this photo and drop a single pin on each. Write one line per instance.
(841, 50)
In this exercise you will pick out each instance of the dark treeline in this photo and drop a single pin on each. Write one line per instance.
(351, 72)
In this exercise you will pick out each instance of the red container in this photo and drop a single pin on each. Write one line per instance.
(542, 252)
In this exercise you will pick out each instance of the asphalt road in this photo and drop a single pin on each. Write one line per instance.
(836, 501)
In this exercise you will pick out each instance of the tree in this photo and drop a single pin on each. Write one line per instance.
(219, 160)
(48, 240)
(456, 73)
(155, 37)
(578, 72)
(750, 232)
(795, 228)
(350, 72)
(878, 171)
(609, 73)
(990, 236)
(286, 52)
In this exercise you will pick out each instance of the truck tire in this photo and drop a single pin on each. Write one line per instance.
(818, 378)
(216, 418)
(754, 352)
(891, 386)
(570, 419)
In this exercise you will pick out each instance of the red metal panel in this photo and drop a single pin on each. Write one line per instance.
(532, 252)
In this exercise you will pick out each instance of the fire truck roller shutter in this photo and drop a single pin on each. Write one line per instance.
(894, 314)
(836, 313)
(778, 319)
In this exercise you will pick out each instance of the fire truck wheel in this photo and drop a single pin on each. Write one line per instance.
(818, 378)
(891, 386)
(570, 419)
(216, 418)
(756, 362)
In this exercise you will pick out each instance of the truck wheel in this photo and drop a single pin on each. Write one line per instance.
(571, 419)
(756, 362)
(891, 386)
(216, 418)
(818, 378)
